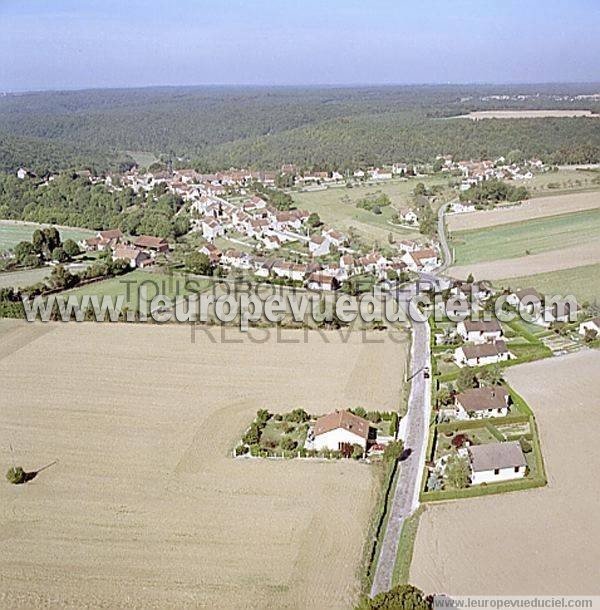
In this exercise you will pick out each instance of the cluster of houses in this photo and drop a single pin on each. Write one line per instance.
(475, 172)
(314, 274)
(185, 181)
(138, 252)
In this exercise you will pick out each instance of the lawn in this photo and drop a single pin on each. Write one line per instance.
(581, 282)
(12, 233)
(337, 207)
(155, 284)
(531, 237)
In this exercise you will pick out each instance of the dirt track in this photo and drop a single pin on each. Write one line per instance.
(534, 542)
(145, 507)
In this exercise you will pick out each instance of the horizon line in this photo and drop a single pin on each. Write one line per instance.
(5, 92)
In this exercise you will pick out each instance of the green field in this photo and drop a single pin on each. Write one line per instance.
(582, 282)
(129, 284)
(142, 158)
(337, 206)
(12, 233)
(531, 237)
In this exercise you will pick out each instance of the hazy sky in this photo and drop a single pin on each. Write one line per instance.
(100, 43)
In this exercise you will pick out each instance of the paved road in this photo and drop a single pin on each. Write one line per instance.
(413, 431)
(414, 428)
(446, 254)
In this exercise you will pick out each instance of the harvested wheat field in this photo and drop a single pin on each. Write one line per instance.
(544, 262)
(526, 114)
(532, 208)
(145, 507)
(541, 541)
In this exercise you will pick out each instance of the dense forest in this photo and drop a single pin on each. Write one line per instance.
(219, 127)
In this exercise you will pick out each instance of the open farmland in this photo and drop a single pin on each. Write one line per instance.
(582, 282)
(526, 114)
(145, 507)
(526, 238)
(516, 544)
(24, 278)
(337, 206)
(546, 262)
(528, 210)
(11, 233)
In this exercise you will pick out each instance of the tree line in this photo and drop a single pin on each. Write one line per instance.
(74, 201)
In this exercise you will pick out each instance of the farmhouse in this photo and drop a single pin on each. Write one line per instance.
(480, 355)
(591, 326)
(496, 462)
(154, 244)
(110, 235)
(479, 331)
(478, 403)
(133, 256)
(340, 428)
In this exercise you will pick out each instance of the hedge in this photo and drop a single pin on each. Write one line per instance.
(469, 424)
(483, 490)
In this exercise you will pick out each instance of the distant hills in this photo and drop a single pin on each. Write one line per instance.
(325, 127)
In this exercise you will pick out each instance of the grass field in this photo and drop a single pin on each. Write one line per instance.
(11, 233)
(146, 507)
(562, 181)
(526, 238)
(460, 545)
(582, 282)
(546, 262)
(337, 206)
(128, 286)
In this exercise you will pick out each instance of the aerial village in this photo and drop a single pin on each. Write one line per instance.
(286, 245)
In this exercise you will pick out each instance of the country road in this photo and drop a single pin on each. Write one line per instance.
(446, 254)
(414, 428)
(413, 431)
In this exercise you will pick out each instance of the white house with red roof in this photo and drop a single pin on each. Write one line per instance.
(340, 428)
